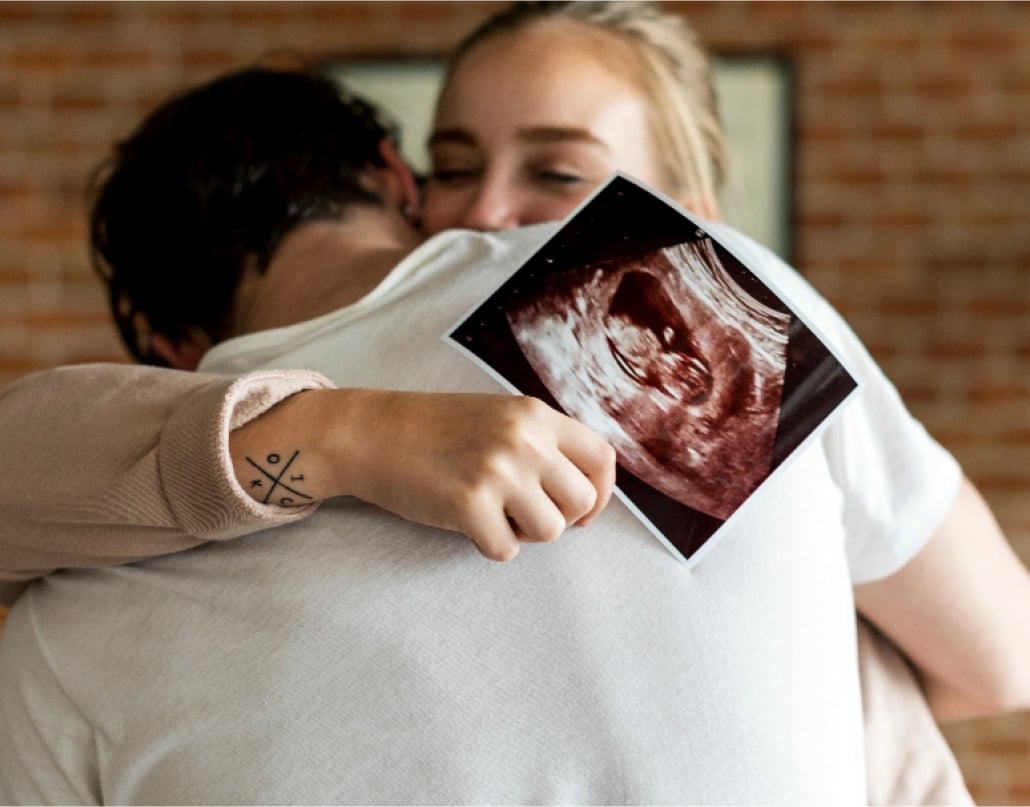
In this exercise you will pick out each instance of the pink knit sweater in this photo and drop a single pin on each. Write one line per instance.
(107, 464)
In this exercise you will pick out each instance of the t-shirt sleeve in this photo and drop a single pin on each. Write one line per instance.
(112, 463)
(898, 482)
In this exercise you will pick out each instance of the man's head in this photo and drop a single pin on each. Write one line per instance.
(208, 186)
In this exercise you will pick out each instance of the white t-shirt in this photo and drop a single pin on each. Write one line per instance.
(359, 658)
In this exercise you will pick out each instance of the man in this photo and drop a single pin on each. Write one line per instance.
(186, 268)
(359, 657)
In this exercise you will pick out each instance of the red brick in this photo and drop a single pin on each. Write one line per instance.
(992, 42)
(42, 57)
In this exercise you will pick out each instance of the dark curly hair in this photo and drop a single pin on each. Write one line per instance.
(211, 182)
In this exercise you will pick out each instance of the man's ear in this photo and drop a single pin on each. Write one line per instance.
(401, 186)
(182, 354)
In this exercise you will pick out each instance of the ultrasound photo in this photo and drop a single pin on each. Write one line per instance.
(637, 322)
(666, 358)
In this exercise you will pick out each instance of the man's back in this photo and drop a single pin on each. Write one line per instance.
(357, 657)
(385, 663)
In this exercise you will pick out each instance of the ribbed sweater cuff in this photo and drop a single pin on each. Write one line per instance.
(194, 463)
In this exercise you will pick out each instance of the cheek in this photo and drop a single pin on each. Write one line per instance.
(442, 209)
(541, 207)
(446, 208)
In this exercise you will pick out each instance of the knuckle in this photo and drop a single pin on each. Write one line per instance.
(552, 529)
(528, 405)
(583, 501)
(526, 417)
(502, 553)
(469, 501)
(604, 457)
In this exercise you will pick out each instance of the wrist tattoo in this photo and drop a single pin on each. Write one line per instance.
(283, 487)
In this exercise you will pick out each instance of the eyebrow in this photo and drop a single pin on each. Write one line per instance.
(530, 134)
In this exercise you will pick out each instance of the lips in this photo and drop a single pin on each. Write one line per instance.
(651, 342)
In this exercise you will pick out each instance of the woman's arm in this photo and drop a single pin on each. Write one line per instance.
(949, 590)
(116, 463)
(501, 469)
(107, 464)
(960, 610)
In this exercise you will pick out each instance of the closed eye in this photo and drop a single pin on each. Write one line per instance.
(453, 176)
(560, 177)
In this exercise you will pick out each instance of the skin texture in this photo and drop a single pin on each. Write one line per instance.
(500, 469)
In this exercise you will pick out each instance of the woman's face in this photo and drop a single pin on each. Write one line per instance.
(529, 124)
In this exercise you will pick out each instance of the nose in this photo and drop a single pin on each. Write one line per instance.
(493, 205)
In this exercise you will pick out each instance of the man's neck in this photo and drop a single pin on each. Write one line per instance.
(322, 266)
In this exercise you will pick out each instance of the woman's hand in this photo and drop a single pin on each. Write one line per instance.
(501, 469)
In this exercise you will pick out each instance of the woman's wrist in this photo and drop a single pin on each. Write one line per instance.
(279, 458)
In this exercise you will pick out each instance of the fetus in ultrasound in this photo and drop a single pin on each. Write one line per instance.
(668, 358)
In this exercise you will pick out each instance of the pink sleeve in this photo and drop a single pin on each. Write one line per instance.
(908, 759)
(108, 464)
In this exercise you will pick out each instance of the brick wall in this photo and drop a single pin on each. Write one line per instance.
(912, 176)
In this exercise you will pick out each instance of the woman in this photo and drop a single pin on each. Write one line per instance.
(490, 172)
(552, 142)
(636, 95)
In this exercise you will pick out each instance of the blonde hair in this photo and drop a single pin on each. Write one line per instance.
(673, 71)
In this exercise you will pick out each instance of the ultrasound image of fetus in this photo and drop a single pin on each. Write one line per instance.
(669, 359)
